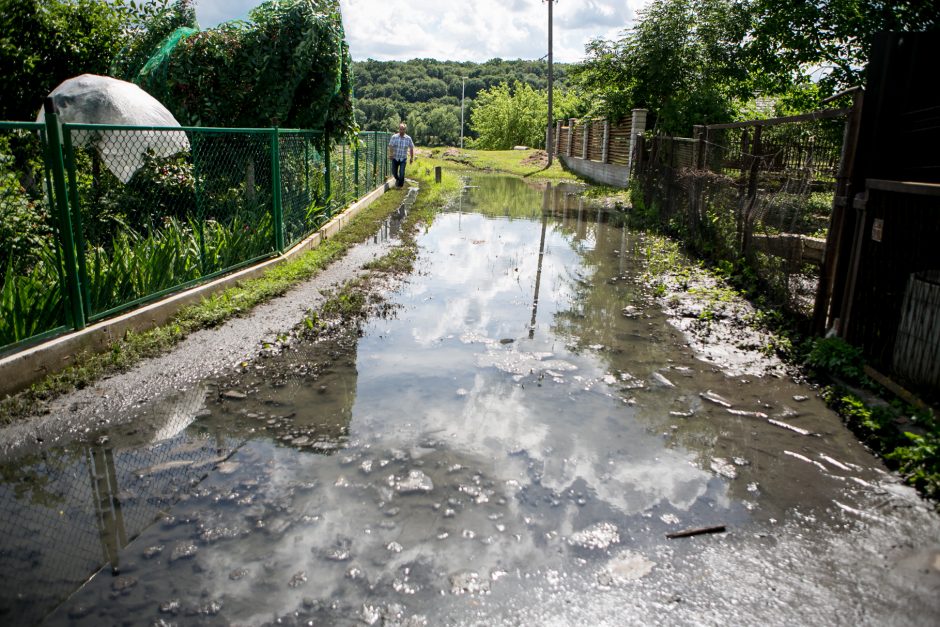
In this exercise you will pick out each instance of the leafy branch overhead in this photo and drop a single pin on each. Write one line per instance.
(703, 61)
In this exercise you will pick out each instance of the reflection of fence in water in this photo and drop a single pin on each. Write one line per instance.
(573, 212)
(66, 513)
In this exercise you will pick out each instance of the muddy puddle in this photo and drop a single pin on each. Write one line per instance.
(509, 443)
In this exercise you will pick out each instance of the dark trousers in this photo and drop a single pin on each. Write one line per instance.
(398, 171)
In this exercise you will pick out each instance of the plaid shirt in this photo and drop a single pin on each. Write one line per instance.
(400, 146)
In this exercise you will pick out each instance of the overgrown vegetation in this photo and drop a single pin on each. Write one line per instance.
(287, 66)
(44, 42)
(908, 438)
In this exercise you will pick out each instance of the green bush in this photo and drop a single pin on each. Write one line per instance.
(31, 302)
(144, 42)
(24, 217)
(131, 266)
(919, 462)
(135, 265)
(287, 66)
(837, 357)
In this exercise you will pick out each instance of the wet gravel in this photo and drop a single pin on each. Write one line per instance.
(203, 354)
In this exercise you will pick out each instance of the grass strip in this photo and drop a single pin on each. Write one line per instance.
(524, 163)
(353, 299)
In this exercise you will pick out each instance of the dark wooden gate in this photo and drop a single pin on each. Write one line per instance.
(884, 243)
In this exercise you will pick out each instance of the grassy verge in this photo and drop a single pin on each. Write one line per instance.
(523, 163)
(907, 438)
(433, 195)
(210, 312)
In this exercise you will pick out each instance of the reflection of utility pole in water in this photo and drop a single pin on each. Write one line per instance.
(546, 200)
(108, 515)
(623, 249)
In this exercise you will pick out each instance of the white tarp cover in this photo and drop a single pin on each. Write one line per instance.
(92, 99)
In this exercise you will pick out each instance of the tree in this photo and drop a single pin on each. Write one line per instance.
(695, 61)
(830, 39)
(436, 125)
(416, 88)
(44, 42)
(505, 116)
(288, 65)
(682, 60)
(148, 35)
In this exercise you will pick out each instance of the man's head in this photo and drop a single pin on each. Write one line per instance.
(402, 128)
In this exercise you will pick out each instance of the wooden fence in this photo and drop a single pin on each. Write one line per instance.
(865, 178)
(595, 140)
(760, 190)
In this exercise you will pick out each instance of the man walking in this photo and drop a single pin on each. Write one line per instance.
(400, 147)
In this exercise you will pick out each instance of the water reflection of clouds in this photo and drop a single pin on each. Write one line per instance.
(630, 485)
(348, 547)
(525, 434)
(476, 298)
(497, 270)
(500, 421)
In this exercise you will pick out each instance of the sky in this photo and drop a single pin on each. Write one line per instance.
(469, 30)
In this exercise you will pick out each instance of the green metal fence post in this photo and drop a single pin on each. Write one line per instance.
(75, 210)
(327, 180)
(375, 156)
(200, 213)
(356, 166)
(307, 194)
(345, 186)
(54, 147)
(276, 191)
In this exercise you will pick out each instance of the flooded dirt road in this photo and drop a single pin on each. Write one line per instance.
(510, 442)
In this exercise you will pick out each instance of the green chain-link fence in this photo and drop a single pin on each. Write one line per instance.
(32, 303)
(97, 219)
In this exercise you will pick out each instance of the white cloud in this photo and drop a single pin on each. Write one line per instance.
(462, 31)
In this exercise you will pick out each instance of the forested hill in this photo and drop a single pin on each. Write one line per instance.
(426, 92)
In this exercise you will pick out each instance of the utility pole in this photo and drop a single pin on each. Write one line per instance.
(548, 129)
(463, 87)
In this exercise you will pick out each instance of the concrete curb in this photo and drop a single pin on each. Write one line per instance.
(603, 173)
(22, 369)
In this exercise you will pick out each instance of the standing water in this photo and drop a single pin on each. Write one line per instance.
(510, 443)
